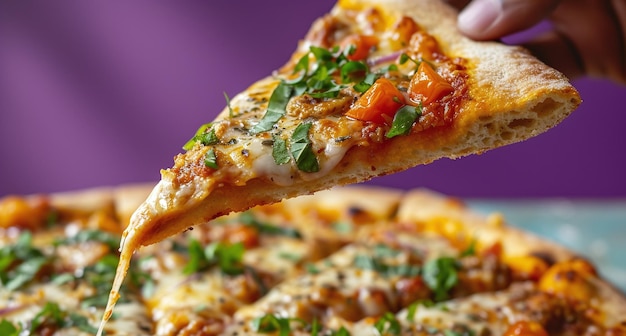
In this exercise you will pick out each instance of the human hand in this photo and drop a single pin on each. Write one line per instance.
(587, 37)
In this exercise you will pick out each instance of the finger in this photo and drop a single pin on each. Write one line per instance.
(492, 19)
(595, 29)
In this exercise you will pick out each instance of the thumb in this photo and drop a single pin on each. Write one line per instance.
(492, 19)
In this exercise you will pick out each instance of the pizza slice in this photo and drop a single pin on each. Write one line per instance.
(374, 88)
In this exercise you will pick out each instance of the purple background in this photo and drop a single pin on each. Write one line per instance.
(106, 93)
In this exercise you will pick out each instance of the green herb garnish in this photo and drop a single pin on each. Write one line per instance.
(248, 218)
(388, 324)
(302, 149)
(52, 314)
(21, 262)
(379, 265)
(280, 153)
(341, 332)
(227, 256)
(90, 235)
(189, 144)
(270, 323)
(403, 120)
(441, 276)
(275, 108)
(8, 329)
(210, 160)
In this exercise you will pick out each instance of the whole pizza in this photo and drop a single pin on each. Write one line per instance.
(221, 245)
(348, 261)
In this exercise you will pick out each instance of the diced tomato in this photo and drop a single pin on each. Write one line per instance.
(379, 103)
(526, 328)
(362, 45)
(427, 85)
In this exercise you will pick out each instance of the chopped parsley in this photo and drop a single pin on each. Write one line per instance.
(89, 235)
(52, 314)
(227, 256)
(340, 332)
(441, 275)
(388, 324)
(302, 149)
(21, 262)
(271, 323)
(248, 218)
(275, 108)
(210, 160)
(403, 120)
(379, 265)
(199, 134)
(325, 78)
(412, 308)
(280, 153)
(8, 329)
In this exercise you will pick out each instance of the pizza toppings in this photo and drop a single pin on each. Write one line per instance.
(257, 273)
(379, 103)
(427, 85)
(353, 88)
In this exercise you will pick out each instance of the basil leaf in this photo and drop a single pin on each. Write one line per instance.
(21, 262)
(50, 313)
(210, 160)
(302, 149)
(84, 236)
(388, 324)
(275, 108)
(279, 151)
(341, 332)
(196, 258)
(378, 265)
(209, 138)
(25, 272)
(441, 276)
(353, 71)
(189, 144)
(364, 85)
(8, 329)
(315, 327)
(228, 256)
(332, 92)
(248, 218)
(81, 322)
(270, 323)
(403, 120)
(321, 54)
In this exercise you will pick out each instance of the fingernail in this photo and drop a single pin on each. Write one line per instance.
(478, 16)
